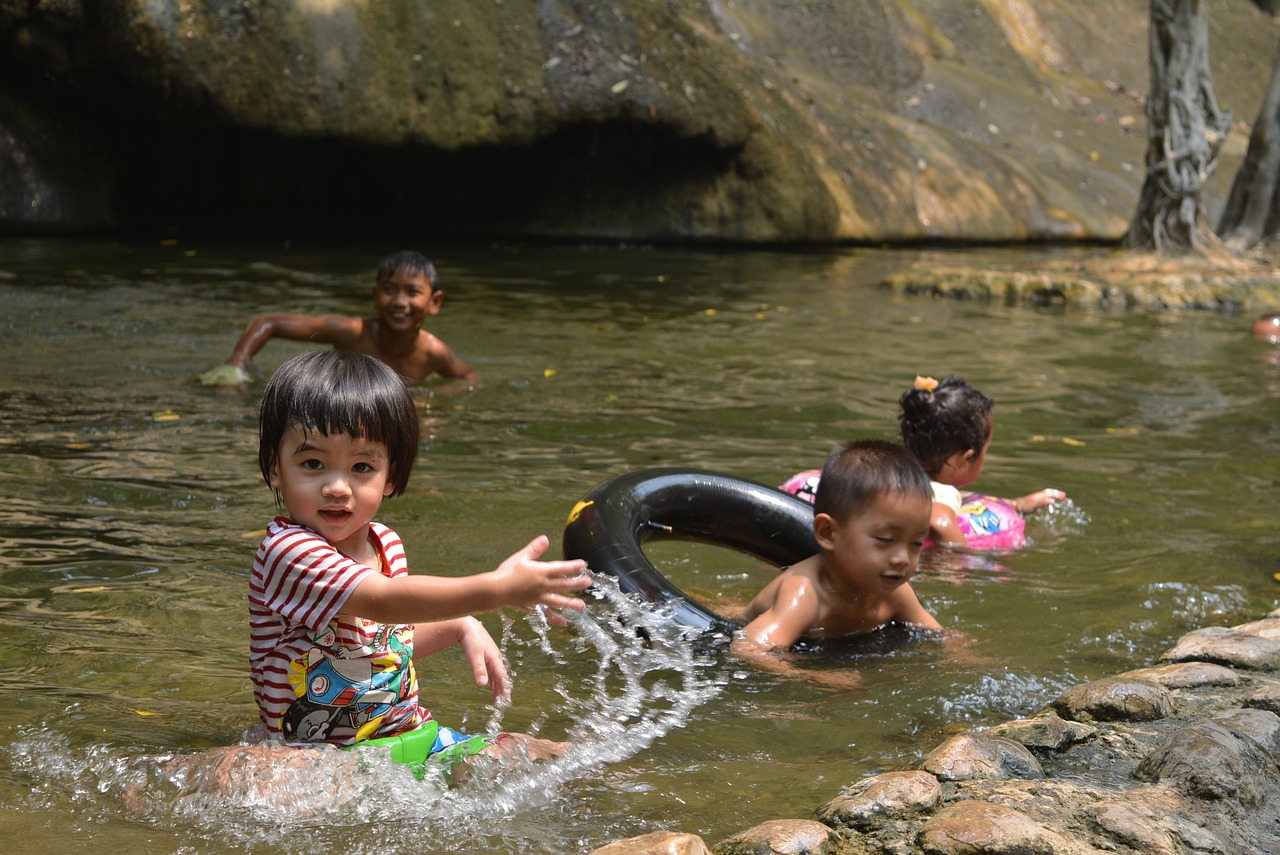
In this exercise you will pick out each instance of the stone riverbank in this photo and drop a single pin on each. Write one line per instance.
(1174, 759)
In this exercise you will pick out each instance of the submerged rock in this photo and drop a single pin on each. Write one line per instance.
(1107, 279)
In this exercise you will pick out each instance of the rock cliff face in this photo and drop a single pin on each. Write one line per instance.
(727, 120)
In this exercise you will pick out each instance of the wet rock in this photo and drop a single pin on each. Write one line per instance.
(1182, 675)
(884, 798)
(1115, 699)
(1268, 627)
(1209, 760)
(1262, 726)
(781, 837)
(1048, 732)
(656, 843)
(1265, 698)
(980, 755)
(1039, 288)
(1227, 647)
(1155, 821)
(980, 828)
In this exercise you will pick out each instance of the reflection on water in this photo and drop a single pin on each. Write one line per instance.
(133, 503)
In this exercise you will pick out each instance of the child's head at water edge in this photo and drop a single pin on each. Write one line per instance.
(336, 429)
(948, 427)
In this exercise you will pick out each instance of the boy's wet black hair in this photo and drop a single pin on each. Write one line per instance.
(936, 424)
(332, 392)
(411, 262)
(859, 472)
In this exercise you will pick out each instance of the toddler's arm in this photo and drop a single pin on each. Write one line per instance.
(1035, 501)
(907, 609)
(943, 528)
(522, 581)
(792, 613)
(478, 648)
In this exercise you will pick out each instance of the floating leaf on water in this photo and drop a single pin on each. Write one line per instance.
(619, 86)
(1066, 440)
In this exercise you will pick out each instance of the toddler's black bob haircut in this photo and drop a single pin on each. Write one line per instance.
(328, 392)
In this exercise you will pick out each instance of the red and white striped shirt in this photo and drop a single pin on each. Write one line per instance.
(319, 675)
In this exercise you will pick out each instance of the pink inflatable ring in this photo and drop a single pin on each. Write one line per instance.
(988, 522)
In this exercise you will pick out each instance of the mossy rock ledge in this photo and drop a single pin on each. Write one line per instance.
(1175, 758)
(1120, 280)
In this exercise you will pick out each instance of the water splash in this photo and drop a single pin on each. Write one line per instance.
(1062, 518)
(1007, 695)
(644, 678)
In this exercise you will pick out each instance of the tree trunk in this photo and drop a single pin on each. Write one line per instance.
(1251, 213)
(1185, 131)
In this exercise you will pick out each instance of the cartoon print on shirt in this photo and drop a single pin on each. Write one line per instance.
(339, 689)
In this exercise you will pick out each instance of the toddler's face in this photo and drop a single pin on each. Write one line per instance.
(332, 484)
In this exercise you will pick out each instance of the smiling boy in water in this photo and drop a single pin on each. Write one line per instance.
(871, 516)
(404, 296)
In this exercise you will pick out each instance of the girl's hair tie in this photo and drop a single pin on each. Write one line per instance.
(926, 384)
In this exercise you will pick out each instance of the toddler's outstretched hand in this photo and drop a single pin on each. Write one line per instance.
(1037, 500)
(527, 582)
(485, 658)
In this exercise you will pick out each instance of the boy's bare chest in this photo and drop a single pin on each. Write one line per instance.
(862, 614)
(410, 358)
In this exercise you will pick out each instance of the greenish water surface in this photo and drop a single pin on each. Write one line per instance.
(132, 504)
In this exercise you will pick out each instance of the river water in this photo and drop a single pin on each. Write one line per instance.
(132, 505)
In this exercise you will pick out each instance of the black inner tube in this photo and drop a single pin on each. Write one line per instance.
(609, 527)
